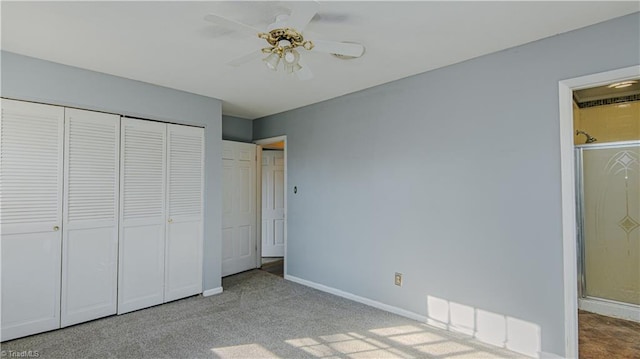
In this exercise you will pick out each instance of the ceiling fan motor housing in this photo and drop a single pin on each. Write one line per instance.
(292, 36)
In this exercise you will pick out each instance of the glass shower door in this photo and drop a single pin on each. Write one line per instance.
(609, 184)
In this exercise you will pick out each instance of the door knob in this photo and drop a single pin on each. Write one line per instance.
(56, 228)
(170, 220)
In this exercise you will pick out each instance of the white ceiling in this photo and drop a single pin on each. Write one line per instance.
(169, 43)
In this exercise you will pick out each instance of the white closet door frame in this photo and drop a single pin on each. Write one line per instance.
(31, 217)
(90, 215)
(142, 222)
(184, 225)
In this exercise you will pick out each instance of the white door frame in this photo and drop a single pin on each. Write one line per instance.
(260, 143)
(568, 189)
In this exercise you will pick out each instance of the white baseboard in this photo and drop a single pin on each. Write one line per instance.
(610, 308)
(545, 355)
(213, 291)
(359, 299)
(394, 310)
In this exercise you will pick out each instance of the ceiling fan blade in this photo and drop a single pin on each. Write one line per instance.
(232, 24)
(304, 73)
(245, 58)
(339, 48)
(301, 14)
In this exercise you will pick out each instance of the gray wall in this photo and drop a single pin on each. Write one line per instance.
(451, 177)
(31, 79)
(237, 129)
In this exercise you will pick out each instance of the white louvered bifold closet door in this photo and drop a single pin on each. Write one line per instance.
(183, 266)
(90, 236)
(31, 154)
(142, 214)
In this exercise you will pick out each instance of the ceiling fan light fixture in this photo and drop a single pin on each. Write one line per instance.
(288, 68)
(272, 61)
(291, 57)
(284, 37)
(291, 68)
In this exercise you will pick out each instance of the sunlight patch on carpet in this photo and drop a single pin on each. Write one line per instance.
(243, 351)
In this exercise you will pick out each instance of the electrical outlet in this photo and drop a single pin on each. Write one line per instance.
(398, 279)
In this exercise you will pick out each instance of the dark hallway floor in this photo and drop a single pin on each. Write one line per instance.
(606, 337)
(274, 267)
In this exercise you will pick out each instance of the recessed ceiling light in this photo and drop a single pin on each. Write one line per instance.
(623, 84)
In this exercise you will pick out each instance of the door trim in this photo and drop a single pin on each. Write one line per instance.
(568, 191)
(260, 143)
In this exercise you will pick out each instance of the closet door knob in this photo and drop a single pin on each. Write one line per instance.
(170, 220)
(56, 228)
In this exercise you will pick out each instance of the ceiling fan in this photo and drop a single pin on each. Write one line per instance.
(285, 37)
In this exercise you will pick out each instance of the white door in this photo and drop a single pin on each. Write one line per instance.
(90, 216)
(183, 265)
(31, 151)
(142, 214)
(238, 207)
(272, 203)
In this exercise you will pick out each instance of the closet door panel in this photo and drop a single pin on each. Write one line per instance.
(142, 275)
(183, 262)
(185, 212)
(30, 283)
(142, 214)
(90, 236)
(31, 155)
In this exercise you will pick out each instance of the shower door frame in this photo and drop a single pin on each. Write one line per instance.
(595, 304)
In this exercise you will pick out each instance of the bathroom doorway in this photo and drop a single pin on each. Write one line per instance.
(606, 122)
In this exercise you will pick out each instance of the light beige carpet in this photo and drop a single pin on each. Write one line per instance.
(259, 315)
